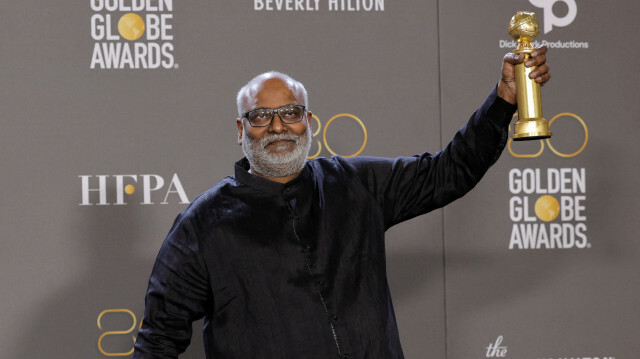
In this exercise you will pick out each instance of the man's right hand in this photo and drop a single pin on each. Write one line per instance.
(507, 85)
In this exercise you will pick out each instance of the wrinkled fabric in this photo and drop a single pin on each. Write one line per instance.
(297, 270)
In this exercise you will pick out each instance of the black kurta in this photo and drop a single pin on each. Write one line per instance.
(297, 270)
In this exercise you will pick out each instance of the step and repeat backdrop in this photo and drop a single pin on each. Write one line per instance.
(117, 113)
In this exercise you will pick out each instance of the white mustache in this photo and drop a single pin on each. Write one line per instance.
(265, 141)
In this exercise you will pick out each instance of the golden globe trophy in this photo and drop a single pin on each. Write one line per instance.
(530, 125)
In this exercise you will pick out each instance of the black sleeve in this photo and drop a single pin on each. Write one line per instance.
(406, 187)
(178, 294)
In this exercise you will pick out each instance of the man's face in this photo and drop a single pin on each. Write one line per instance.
(277, 150)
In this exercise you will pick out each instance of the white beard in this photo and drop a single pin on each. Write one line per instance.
(269, 164)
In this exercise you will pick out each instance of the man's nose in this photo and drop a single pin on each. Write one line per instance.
(277, 126)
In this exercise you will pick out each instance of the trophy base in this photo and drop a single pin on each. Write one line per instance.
(530, 136)
(531, 129)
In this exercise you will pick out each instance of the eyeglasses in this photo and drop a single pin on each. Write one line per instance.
(262, 117)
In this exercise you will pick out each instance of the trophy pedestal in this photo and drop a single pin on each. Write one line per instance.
(531, 129)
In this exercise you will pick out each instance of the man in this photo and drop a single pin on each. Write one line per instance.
(286, 258)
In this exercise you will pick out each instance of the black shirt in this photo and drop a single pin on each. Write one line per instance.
(297, 270)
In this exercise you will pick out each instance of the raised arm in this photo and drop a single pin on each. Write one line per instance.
(409, 186)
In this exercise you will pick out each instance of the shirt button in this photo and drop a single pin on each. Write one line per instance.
(346, 356)
(335, 318)
(321, 283)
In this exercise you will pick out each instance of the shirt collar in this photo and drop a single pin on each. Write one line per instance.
(265, 185)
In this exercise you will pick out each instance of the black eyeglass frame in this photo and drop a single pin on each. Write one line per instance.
(273, 112)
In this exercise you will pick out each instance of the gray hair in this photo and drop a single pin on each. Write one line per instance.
(249, 91)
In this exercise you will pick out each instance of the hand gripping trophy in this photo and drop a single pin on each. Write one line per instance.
(530, 125)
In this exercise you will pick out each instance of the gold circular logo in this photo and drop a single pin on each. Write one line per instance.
(131, 26)
(359, 121)
(548, 140)
(586, 135)
(547, 208)
(129, 189)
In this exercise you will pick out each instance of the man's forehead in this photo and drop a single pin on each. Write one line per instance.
(270, 88)
(276, 86)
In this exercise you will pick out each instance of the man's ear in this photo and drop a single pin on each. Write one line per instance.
(240, 129)
(310, 120)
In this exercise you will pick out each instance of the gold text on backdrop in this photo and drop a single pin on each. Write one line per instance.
(324, 135)
(117, 333)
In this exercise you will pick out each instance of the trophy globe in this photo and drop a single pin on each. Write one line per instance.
(523, 27)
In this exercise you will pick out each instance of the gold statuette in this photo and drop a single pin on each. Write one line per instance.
(530, 125)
